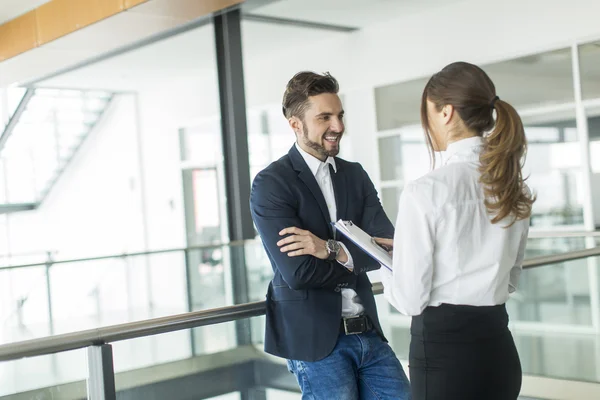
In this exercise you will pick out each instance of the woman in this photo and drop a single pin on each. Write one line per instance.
(459, 243)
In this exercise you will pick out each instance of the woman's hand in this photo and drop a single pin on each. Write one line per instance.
(386, 244)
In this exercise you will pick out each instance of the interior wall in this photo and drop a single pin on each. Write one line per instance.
(97, 207)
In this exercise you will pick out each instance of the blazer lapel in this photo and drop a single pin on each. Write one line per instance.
(309, 180)
(340, 191)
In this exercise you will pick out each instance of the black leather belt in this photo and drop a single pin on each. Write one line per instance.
(356, 325)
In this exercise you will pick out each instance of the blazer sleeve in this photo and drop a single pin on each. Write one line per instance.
(273, 209)
(374, 221)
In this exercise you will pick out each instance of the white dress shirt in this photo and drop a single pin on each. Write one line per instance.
(350, 301)
(446, 250)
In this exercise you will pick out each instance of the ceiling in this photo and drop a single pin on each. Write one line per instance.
(187, 59)
(148, 19)
(351, 13)
(11, 9)
(118, 31)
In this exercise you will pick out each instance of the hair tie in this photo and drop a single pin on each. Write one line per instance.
(494, 100)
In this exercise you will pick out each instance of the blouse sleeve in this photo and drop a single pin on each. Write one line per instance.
(407, 287)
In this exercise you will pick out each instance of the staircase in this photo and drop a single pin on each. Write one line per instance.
(43, 135)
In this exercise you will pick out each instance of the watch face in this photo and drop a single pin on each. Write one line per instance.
(333, 246)
(336, 246)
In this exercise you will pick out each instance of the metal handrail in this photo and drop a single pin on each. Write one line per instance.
(135, 254)
(155, 326)
(562, 234)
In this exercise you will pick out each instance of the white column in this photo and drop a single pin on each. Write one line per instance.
(3, 108)
(360, 141)
(584, 141)
(3, 121)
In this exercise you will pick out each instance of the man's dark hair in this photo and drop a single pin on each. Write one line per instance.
(302, 86)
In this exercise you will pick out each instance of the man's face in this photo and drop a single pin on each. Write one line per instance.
(320, 131)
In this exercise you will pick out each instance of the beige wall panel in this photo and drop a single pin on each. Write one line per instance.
(17, 36)
(61, 17)
(133, 3)
(184, 9)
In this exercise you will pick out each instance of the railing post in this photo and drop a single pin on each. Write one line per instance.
(101, 373)
(189, 297)
(49, 263)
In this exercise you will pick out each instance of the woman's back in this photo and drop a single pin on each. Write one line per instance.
(473, 258)
(470, 260)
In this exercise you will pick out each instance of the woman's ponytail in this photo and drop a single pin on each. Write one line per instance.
(501, 167)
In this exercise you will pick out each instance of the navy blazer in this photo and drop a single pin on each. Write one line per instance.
(304, 303)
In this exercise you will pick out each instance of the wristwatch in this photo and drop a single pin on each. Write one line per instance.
(333, 247)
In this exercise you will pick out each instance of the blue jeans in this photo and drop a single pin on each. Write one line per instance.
(360, 367)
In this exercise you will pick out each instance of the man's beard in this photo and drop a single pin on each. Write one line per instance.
(319, 147)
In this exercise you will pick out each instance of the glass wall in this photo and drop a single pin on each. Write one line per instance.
(541, 88)
(589, 56)
(554, 169)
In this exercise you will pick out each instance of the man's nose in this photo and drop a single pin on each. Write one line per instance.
(337, 126)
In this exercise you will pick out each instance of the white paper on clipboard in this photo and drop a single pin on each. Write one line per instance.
(364, 241)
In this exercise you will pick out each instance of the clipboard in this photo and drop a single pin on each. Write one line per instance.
(364, 241)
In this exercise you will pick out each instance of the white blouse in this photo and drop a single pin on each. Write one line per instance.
(446, 250)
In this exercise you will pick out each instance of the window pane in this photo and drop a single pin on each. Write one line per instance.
(390, 156)
(390, 197)
(593, 115)
(399, 104)
(554, 169)
(589, 59)
(404, 157)
(537, 80)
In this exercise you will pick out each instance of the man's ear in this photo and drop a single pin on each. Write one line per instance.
(295, 124)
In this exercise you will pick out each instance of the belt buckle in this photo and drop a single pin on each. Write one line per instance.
(355, 325)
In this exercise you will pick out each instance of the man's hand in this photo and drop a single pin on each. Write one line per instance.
(386, 244)
(301, 242)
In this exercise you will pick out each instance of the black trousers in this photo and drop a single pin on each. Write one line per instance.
(463, 353)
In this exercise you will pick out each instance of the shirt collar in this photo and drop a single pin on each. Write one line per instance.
(464, 148)
(314, 163)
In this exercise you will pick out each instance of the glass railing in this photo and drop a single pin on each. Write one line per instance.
(75, 295)
(62, 296)
(46, 129)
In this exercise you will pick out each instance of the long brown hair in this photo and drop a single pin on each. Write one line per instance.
(472, 93)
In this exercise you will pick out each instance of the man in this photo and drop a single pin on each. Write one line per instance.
(321, 313)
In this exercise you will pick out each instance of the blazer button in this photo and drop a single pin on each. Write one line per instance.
(337, 289)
